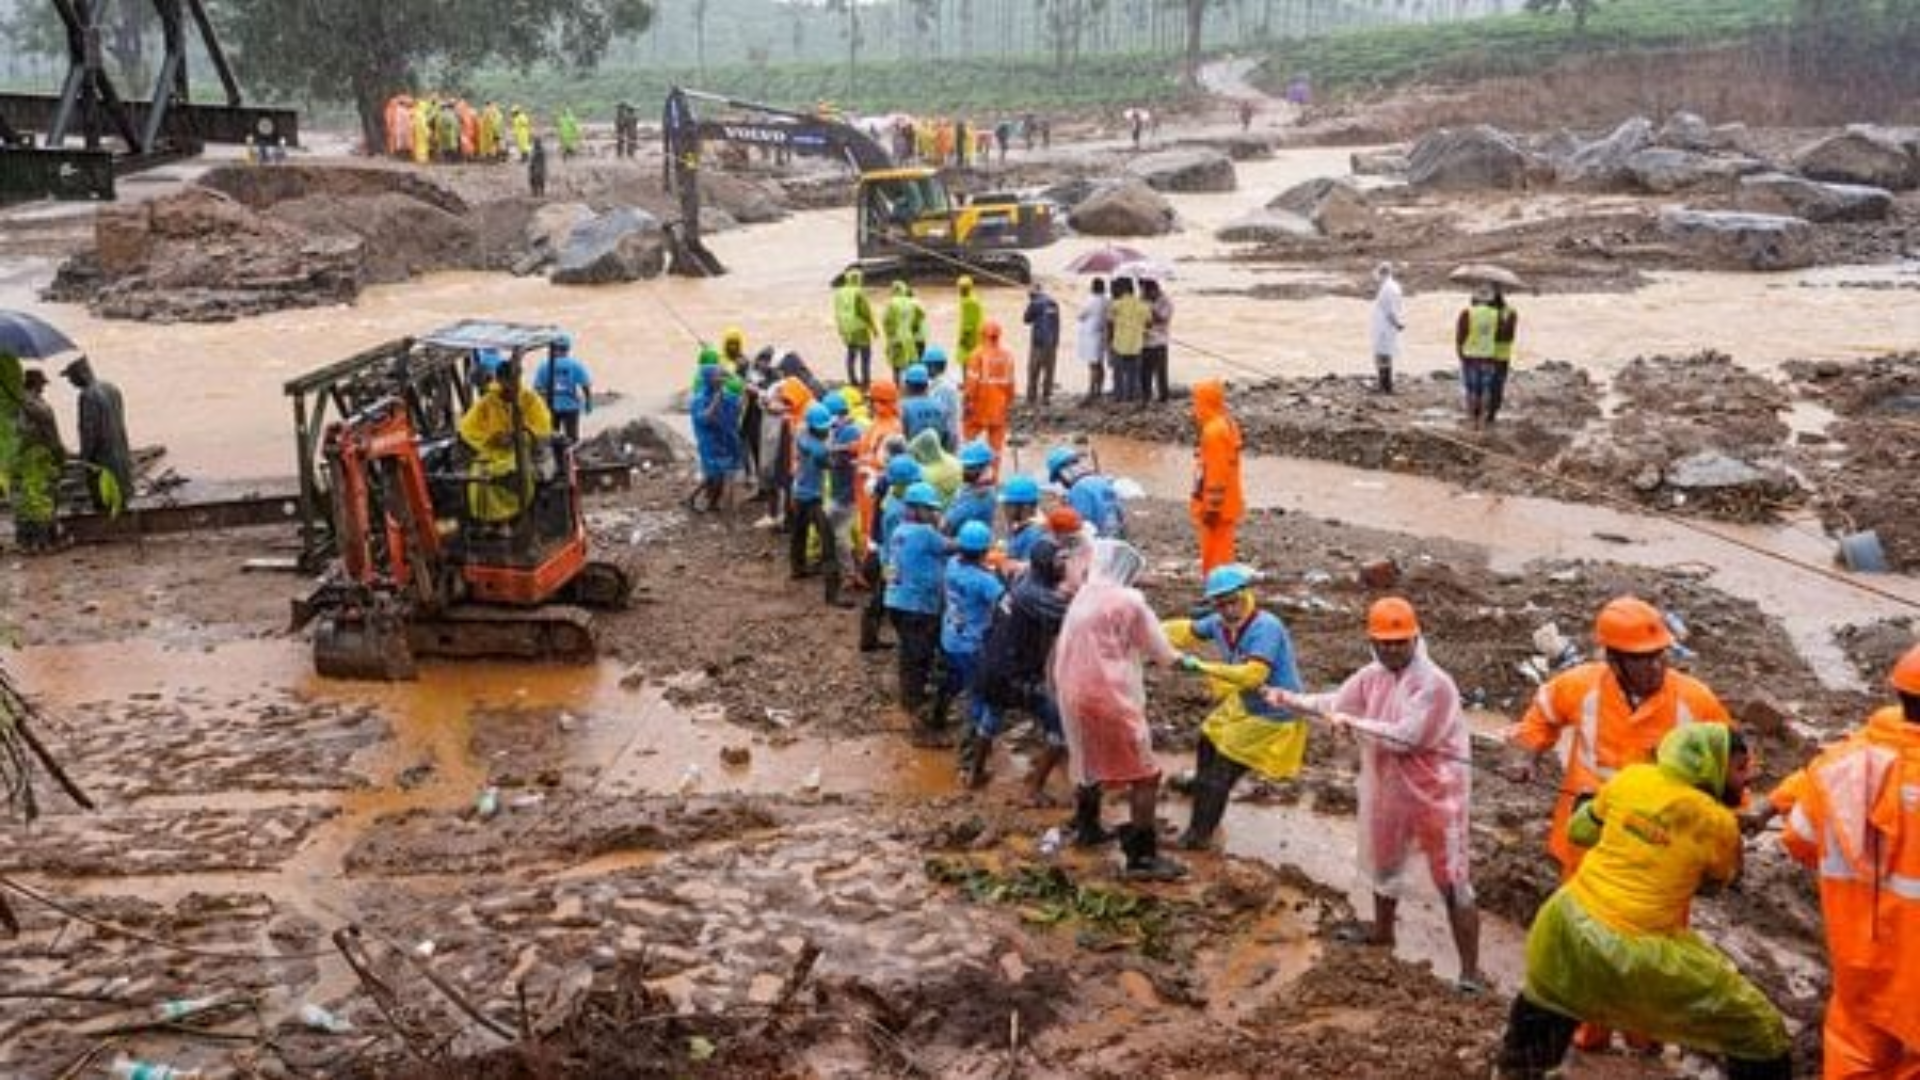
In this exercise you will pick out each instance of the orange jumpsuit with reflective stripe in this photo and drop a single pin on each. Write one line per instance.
(1605, 733)
(1855, 820)
(988, 390)
(1217, 502)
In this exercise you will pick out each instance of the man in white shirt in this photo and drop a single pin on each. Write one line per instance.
(1389, 318)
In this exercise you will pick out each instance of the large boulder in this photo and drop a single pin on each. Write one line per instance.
(1378, 162)
(1779, 193)
(1603, 162)
(1740, 240)
(1686, 131)
(1663, 171)
(1129, 208)
(1862, 154)
(1482, 156)
(1193, 170)
(548, 229)
(623, 244)
(1263, 226)
(1335, 207)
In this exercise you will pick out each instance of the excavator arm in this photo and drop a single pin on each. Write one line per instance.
(684, 133)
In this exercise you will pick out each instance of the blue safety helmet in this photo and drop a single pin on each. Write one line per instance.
(489, 361)
(903, 470)
(837, 403)
(917, 376)
(922, 494)
(563, 343)
(975, 538)
(976, 455)
(934, 357)
(818, 417)
(1021, 491)
(847, 435)
(1059, 458)
(1229, 579)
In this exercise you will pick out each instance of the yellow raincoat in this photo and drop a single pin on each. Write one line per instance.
(1255, 656)
(501, 489)
(1612, 946)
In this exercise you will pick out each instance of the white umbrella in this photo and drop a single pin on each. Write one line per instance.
(1145, 270)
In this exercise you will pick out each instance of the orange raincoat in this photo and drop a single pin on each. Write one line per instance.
(988, 390)
(1855, 819)
(1217, 502)
(885, 399)
(1606, 735)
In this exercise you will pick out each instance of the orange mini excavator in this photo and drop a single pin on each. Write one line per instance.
(418, 572)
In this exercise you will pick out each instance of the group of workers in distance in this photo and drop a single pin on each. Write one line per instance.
(1125, 332)
(1010, 593)
(448, 130)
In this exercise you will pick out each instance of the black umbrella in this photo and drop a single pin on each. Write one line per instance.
(30, 337)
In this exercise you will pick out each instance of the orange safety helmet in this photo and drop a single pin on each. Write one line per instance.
(1392, 619)
(1629, 624)
(1906, 673)
(1063, 521)
(884, 390)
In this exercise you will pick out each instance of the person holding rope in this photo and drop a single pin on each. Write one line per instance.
(1416, 775)
(1248, 652)
(1618, 709)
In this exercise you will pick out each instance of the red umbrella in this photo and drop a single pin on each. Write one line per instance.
(1105, 260)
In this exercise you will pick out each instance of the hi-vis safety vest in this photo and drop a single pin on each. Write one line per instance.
(1483, 331)
(1503, 349)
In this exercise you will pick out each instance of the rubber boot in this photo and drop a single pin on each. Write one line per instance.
(1386, 380)
(1209, 806)
(1144, 861)
(1087, 830)
(975, 751)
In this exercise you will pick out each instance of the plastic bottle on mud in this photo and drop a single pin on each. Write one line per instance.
(320, 1019)
(126, 1068)
(488, 804)
(1050, 843)
(689, 780)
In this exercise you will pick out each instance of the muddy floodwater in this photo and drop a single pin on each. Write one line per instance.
(212, 393)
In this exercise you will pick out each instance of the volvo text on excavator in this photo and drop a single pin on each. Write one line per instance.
(445, 548)
(908, 222)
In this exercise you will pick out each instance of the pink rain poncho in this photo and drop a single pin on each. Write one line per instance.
(1415, 776)
(1108, 633)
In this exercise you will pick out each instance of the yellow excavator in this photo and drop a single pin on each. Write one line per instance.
(909, 224)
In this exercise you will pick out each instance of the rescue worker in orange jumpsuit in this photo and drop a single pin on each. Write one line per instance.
(884, 397)
(1853, 817)
(1217, 502)
(1618, 709)
(988, 390)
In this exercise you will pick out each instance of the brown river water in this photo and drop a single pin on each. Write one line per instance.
(212, 393)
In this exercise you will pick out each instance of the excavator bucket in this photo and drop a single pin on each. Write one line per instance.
(362, 645)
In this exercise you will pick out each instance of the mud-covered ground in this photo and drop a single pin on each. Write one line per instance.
(1868, 455)
(642, 904)
(1696, 435)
